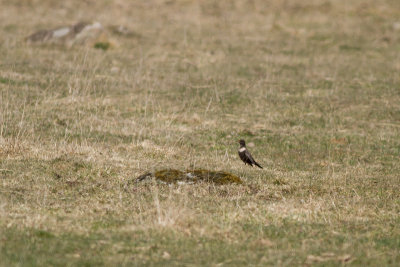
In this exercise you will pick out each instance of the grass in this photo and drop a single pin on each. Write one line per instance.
(314, 86)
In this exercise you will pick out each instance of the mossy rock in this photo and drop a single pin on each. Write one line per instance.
(102, 45)
(172, 176)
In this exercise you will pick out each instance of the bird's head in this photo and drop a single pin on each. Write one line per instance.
(242, 142)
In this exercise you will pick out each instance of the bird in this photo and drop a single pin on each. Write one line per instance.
(245, 155)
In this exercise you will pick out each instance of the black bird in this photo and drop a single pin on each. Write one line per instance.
(245, 155)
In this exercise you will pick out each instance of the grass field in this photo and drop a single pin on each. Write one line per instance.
(314, 85)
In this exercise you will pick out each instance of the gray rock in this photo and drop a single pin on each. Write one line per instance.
(82, 33)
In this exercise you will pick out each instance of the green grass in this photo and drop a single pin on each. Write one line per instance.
(314, 86)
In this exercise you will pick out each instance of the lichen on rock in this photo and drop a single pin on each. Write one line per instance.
(172, 176)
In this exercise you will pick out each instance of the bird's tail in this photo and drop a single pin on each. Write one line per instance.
(258, 165)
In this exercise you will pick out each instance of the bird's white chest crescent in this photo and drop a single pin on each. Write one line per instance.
(242, 149)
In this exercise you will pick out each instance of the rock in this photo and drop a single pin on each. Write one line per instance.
(122, 30)
(166, 255)
(82, 33)
(172, 176)
(114, 70)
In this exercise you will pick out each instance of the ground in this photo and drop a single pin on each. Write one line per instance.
(314, 85)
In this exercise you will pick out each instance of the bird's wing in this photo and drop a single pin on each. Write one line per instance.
(249, 158)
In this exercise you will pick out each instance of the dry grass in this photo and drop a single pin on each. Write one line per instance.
(315, 86)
